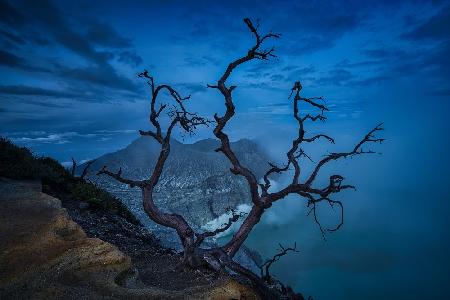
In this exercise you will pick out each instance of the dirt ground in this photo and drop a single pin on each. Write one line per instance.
(156, 265)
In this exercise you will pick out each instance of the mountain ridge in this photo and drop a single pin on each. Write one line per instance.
(196, 181)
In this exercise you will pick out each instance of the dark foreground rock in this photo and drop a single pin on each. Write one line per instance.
(44, 254)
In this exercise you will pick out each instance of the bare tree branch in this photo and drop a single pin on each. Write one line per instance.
(234, 218)
(265, 200)
(152, 134)
(237, 168)
(85, 170)
(369, 137)
(273, 169)
(188, 122)
(261, 198)
(254, 53)
(312, 139)
(268, 263)
(313, 203)
(179, 115)
(118, 176)
(74, 166)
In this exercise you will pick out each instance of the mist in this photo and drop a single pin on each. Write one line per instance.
(393, 244)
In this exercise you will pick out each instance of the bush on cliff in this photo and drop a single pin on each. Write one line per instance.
(20, 163)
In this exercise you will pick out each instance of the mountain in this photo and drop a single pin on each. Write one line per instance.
(196, 181)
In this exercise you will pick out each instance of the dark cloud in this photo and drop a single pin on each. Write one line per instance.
(103, 75)
(343, 77)
(201, 29)
(193, 87)
(435, 28)
(288, 68)
(46, 97)
(346, 63)
(437, 61)
(257, 67)
(444, 92)
(421, 58)
(105, 35)
(336, 77)
(277, 77)
(307, 45)
(300, 73)
(369, 81)
(434, 61)
(37, 39)
(25, 90)
(130, 57)
(203, 60)
(195, 61)
(47, 104)
(10, 15)
(46, 15)
(327, 18)
(381, 53)
(48, 18)
(13, 61)
(12, 37)
(312, 25)
(9, 59)
(279, 104)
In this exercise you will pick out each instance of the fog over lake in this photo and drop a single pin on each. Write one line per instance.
(394, 242)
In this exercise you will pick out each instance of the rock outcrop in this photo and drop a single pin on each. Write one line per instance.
(46, 255)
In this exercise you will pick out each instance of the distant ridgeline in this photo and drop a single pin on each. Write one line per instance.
(196, 181)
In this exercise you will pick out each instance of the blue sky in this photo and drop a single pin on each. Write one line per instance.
(69, 88)
(69, 69)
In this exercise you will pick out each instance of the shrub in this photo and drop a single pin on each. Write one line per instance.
(20, 163)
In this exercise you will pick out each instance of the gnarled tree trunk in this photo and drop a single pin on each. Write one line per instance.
(261, 198)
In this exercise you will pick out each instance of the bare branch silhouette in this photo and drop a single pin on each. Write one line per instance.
(261, 195)
(85, 169)
(234, 218)
(74, 166)
(118, 176)
(265, 267)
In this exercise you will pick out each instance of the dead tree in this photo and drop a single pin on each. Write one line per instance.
(261, 198)
(85, 169)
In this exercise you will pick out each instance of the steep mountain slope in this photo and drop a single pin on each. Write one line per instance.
(196, 181)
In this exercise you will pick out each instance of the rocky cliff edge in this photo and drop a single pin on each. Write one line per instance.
(44, 254)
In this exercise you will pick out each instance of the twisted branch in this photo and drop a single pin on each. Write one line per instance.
(234, 218)
(253, 53)
(85, 169)
(118, 176)
(369, 137)
(268, 263)
(263, 201)
(88, 165)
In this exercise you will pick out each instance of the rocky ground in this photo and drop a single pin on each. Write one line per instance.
(52, 249)
(154, 265)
